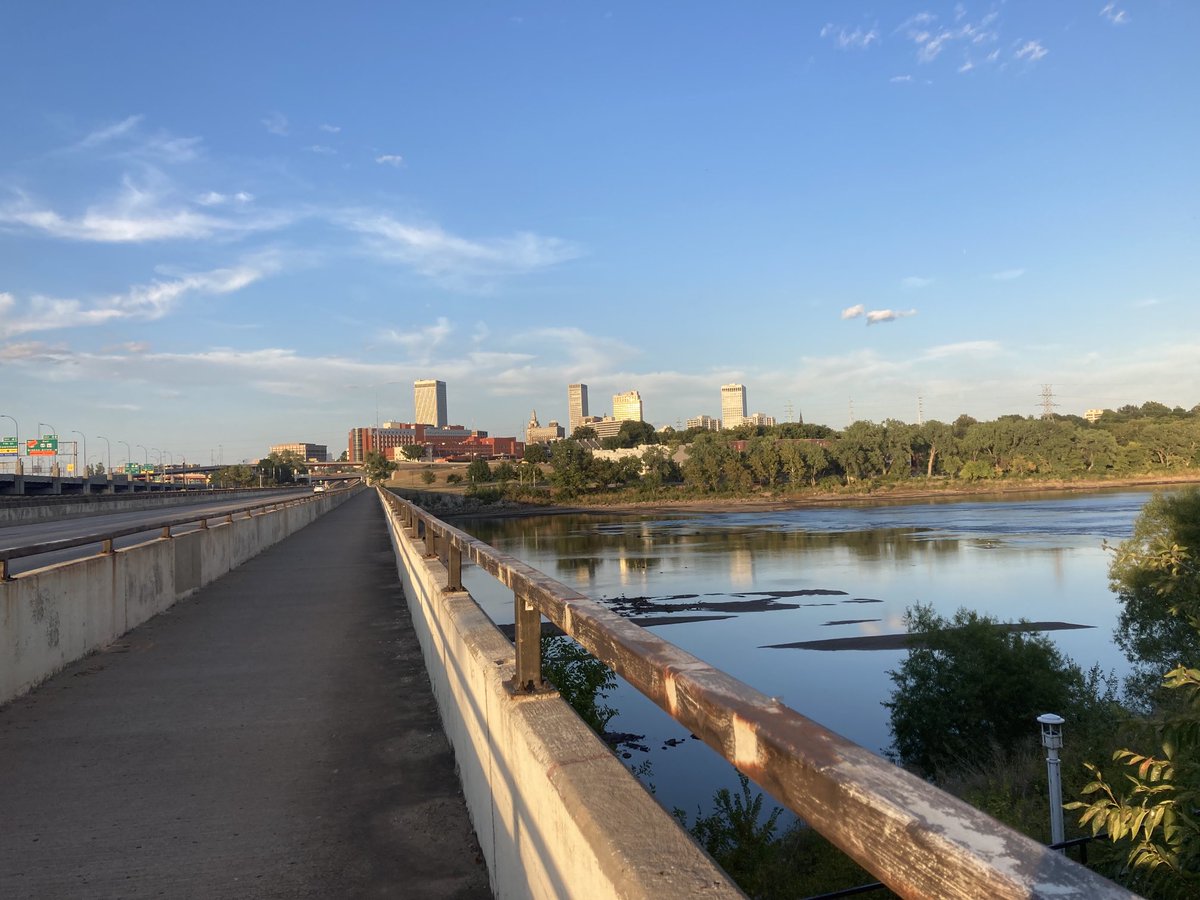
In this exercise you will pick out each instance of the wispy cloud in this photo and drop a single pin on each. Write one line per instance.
(321, 149)
(276, 123)
(853, 312)
(109, 132)
(932, 38)
(970, 349)
(1008, 274)
(419, 342)
(900, 79)
(140, 212)
(390, 159)
(1030, 51)
(144, 302)
(213, 198)
(878, 316)
(913, 282)
(1115, 15)
(330, 129)
(436, 253)
(846, 39)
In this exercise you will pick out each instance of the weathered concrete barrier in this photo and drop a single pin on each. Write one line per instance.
(556, 813)
(53, 616)
(34, 510)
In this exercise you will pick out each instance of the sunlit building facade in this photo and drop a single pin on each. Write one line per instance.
(733, 405)
(429, 402)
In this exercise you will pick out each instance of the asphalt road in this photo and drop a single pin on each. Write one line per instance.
(59, 529)
(273, 736)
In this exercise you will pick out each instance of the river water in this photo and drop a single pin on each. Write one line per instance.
(816, 573)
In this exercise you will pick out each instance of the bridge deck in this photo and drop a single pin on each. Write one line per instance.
(273, 736)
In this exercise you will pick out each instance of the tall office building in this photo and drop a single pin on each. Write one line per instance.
(577, 406)
(627, 407)
(429, 402)
(733, 405)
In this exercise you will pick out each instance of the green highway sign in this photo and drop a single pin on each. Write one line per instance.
(9, 446)
(133, 468)
(43, 446)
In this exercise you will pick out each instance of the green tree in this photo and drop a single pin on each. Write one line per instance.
(506, 471)
(377, 467)
(428, 477)
(1152, 816)
(583, 433)
(582, 680)
(413, 451)
(536, 454)
(572, 465)
(970, 685)
(479, 472)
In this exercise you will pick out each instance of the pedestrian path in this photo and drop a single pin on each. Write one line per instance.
(272, 736)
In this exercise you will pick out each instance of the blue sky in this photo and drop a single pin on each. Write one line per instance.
(225, 225)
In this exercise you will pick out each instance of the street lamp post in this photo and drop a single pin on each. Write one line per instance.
(85, 456)
(1052, 740)
(108, 470)
(17, 438)
(145, 456)
(128, 454)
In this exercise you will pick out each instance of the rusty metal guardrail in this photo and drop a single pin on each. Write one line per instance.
(917, 839)
(106, 536)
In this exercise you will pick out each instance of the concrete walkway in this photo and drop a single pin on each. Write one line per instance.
(273, 736)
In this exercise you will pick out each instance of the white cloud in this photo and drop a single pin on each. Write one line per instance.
(276, 123)
(1114, 15)
(845, 39)
(330, 129)
(853, 312)
(969, 349)
(1031, 51)
(1008, 274)
(420, 342)
(932, 39)
(436, 253)
(875, 316)
(912, 282)
(106, 134)
(139, 212)
(900, 79)
(145, 302)
(213, 198)
(321, 149)
(390, 159)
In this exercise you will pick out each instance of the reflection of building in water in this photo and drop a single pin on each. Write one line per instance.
(741, 567)
(637, 568)
(583, 569)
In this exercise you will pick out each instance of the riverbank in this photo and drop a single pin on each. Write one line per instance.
(454, 504)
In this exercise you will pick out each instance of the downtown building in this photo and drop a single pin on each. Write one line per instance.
(627, 407)
(388, 437)
(306, 452)
(577, 406)
(708, 423)
(733, 405)
(429, 402)
(535, 433)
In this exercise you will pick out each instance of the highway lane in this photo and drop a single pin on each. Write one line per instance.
(12, 536)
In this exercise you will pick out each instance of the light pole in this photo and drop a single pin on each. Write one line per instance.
(145, 456)
(1052, 741)
(159, 452)
(128, 453)
(86, 473)
(108, 471)
(16, 437)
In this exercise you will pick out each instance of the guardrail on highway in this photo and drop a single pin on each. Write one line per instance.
(918, 840)
(106, 536)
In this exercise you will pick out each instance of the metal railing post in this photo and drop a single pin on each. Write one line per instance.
(528, 639)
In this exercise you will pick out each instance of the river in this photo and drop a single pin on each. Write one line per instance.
(814, 573)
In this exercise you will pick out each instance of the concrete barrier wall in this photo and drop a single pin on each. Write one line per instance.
(53, 616)
(556, 813)
(31, 511)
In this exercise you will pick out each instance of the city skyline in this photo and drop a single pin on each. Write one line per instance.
(917, 213)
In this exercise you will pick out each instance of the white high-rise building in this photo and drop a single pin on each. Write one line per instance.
(577, 405)
(429, 403)
(627, 407)
(733, 405)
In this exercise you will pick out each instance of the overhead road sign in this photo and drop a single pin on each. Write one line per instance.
(9, 446)
(43, 446)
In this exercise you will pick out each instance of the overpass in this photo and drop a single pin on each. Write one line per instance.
(258, 740)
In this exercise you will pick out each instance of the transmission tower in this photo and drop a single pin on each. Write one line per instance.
(787, 411)
(851, 422)
(920, 410)
(1048, 403)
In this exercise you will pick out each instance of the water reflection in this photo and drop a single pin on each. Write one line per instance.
(724, 585)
